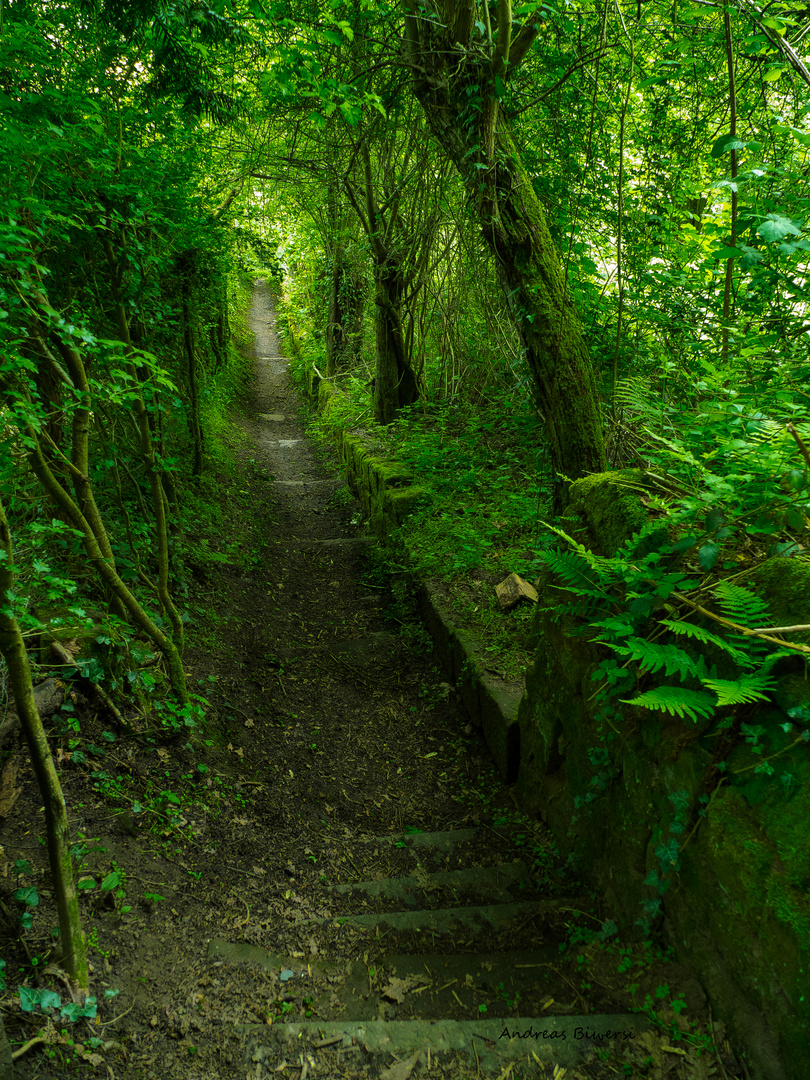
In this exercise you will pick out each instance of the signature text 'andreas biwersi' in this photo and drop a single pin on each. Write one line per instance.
(577, 1033)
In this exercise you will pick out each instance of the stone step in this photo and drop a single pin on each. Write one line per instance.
(431, 986)
(443, 841)
(490, 884)
(489, 1045)
(450, 920)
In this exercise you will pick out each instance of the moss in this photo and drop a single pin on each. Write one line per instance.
(605, 510)
(785, 583)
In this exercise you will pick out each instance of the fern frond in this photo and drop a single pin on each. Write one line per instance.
(676, 700)
(653, 657)
(741, 605)
(617, 626)
(597, 562)
(747, 688)
(704, 636)
(636, 394)
(577, 573)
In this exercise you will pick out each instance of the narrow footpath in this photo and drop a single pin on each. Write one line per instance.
(347, 890)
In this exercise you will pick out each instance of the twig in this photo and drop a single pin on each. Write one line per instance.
(804, 451)
(16, 1054)
(739, 628)
(102, 695)
(120, 1016)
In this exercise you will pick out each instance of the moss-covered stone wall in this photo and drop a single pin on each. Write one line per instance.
(738, 908)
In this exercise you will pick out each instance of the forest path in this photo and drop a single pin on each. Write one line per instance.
(341, 887)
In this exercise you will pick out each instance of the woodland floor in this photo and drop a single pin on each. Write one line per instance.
(331, 726)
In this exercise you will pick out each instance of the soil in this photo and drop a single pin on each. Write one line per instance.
(333, 742)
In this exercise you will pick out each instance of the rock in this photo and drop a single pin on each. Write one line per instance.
(512, 590)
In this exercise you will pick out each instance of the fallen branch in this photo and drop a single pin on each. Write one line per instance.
(103, 698)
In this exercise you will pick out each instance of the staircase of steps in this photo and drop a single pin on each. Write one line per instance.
(450, 967)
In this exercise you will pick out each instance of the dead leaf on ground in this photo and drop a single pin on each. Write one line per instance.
(402, 1069)
(8, 792)
(398, 988)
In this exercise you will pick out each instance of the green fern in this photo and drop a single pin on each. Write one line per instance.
(749, 687)
(741, 605)
(676, 700)
(652, 657)
(636, 395)
(599, 563)
(704, 636)
(577, 574)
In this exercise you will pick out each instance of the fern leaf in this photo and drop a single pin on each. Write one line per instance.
(618, 626)
(635, 394)
(741, 605)
(704, 636)
(597, 562)
(741, 691)
(577, 573)
(653, 657)
(676, 700)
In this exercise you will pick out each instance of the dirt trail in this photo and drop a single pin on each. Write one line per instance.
(347, 854)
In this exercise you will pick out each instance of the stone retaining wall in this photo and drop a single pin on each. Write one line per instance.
(738, 912)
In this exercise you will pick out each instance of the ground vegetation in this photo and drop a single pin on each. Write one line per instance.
(527, 243)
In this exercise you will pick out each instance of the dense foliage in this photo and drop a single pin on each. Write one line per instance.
(530, 242)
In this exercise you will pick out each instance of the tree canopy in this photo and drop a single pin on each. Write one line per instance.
(593, 215)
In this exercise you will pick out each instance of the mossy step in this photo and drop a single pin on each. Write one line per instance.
(450, 920)
(442, 841)
(538, 1043)
(490, 883)
(430, 985)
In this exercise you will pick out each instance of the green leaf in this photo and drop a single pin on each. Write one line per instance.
(723, 144)
(699, 633)
(776, 227)
(771, 74)
(708, 555)
(31, 998)
(652, 657)
(677, 701)
(111, 881)
(27, 895)
(743, 690)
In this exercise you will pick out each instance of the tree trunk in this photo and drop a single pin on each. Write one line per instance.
(335, 330)
(193, 391)
(12, 649)
(456, 86)
(394, 382)
(106, 570)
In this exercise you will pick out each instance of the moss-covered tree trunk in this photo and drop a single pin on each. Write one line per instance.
(395, 383)
(458, 83)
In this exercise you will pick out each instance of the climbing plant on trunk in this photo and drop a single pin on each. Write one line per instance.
(460, 67)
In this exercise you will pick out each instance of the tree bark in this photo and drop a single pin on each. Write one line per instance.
(394, 381)
(458, 88)
(106, 570)
(13, 651)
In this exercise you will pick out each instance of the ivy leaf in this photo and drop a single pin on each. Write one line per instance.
(30, 998)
